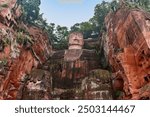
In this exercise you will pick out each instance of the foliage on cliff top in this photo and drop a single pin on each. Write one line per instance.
(90, 29)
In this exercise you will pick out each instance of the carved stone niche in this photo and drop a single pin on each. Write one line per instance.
(76, 40)
(72, 65)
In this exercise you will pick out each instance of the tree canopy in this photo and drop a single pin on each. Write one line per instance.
(30, 10)
(90, 29)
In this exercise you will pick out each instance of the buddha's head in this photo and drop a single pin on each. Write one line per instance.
(76, 40)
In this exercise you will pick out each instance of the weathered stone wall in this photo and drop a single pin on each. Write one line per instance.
(128, 48)
(20, 52)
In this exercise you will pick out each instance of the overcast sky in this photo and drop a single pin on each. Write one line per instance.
(68, 12)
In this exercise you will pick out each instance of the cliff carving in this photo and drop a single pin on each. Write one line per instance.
(76, 73)
(29, 69)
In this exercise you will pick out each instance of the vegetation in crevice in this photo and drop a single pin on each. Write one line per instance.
(23, 39)
(5, 40)
(3, 62)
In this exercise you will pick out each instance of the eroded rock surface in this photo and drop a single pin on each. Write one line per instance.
(128, 48)
(20, 51)
(36, 86)
(97, 86)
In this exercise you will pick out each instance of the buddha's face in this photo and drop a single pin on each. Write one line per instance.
(76, 40)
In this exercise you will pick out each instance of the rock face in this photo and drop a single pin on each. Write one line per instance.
(97, 86)
(36, 86)
(20, 51)
(128, 48)
(6, 15)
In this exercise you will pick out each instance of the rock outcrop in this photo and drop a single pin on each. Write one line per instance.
(127, 46)
(36, 86)
(20, 51)
(96, 86)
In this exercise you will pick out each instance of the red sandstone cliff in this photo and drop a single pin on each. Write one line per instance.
(128, 48)
(20, 52)
(28, 71)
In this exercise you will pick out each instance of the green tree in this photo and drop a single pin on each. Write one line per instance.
(30, 10)
(87, 28)
(75, 28)
(93, 27)
(60, 37)
(144, 4)
(100, 12)
(61, 33)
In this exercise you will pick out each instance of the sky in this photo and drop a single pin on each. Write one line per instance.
(68, 12)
